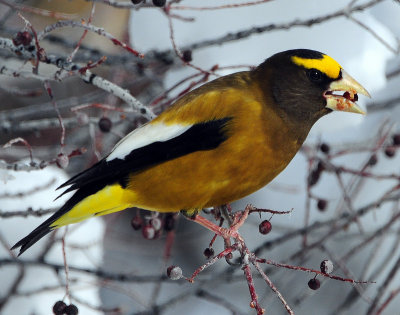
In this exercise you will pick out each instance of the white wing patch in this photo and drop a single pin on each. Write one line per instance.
(145, 135)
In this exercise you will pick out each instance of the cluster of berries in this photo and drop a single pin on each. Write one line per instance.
(152, 228)
(60, 308)
(326, 267)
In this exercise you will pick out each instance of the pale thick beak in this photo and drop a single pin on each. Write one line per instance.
(345, 102)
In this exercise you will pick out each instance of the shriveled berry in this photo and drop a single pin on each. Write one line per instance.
(265, 227)
(396, 139)
(187, 55)
(313, 177)
(41, 54)
(174, 272)
(320, 166)
(148, 232)
(71, 310)
(324, 148)
(59, 307)
(321, 204)
(326, 266)
(136, 223)
(82, 118)
(156, 223)
(390, 151)
(22, 38)
(373, 160)
(169, 222)
(314, 284)
(157, 234)
(159, 3)
(140, 67)
(315, 174)
(62, 161)
(208, 252)
(105, 124)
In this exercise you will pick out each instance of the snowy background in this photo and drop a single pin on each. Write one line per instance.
(123, 250)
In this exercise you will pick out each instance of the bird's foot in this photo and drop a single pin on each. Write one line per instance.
(226, 233)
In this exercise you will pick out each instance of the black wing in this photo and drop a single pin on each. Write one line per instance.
(199, 137)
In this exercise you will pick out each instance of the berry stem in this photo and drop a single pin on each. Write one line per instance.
(212, 261)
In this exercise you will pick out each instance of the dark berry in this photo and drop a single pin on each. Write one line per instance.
(148, 232)
(315, 174)
(265, 227)
(105, 124)
(313, 177)
(59, 307)
(136, 1)
(314, 284)
(321, 204)
(140, 68)
(62, 161)
(320, 166)
(326, 266)
(187, 55)
(324, 148)
(169, 222)
(390, 151)
(159, 3)
(208, 252)
(373, 160)
(136, 223)
(71, 310)
(174, 272)
(396, 139)
(22, 38)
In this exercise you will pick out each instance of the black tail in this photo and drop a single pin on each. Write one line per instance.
(43, 229)
(46, 227)
(32, 238)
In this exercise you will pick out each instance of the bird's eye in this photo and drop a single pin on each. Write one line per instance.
(315, 75)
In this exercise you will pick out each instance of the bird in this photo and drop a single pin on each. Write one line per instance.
(216, 144)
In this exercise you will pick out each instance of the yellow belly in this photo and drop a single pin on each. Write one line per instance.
(195, 185)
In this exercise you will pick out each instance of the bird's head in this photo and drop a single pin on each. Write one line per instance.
(307, 84)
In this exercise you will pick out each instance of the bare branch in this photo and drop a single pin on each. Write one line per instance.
(284, 26)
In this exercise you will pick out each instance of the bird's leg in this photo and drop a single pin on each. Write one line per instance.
(209, 225)
(226, 233)
(226, 213)
(240, 217)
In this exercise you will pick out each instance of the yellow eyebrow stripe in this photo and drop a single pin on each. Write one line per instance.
(326, 65)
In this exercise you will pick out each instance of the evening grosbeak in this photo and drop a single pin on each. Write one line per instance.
(218, 143)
